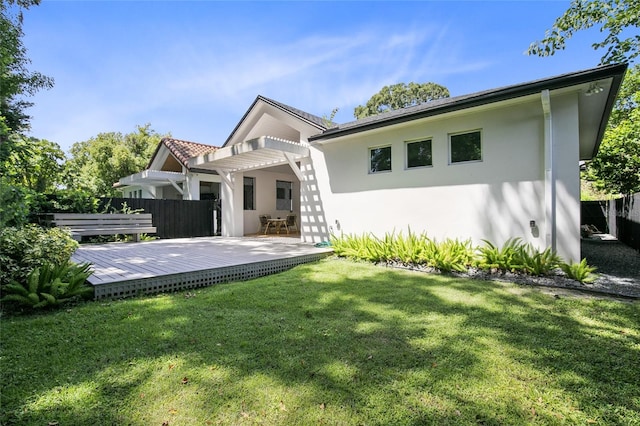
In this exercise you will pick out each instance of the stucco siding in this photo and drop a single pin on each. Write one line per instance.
(494, 199)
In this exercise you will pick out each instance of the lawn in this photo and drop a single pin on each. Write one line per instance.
(334, 342)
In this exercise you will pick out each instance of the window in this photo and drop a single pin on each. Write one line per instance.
(380, 159)
(465, 147)
(283, 195)
(249, 196)
(419, 154)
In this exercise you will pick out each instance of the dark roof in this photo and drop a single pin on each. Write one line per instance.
(442, 106)
(183, 150)
(318, 122)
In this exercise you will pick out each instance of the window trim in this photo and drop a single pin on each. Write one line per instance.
(369, 149)
(406, 152)
(451, 163)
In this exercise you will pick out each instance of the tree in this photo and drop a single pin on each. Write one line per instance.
(616, 167)
(35, 164)
(16, 81)
(399, 96)
(613, 17)
(96, 164)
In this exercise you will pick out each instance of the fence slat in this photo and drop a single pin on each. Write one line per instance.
(173, 218)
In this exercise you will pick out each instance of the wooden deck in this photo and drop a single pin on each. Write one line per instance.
(127, 269)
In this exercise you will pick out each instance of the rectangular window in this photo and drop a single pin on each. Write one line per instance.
(380, 159)
(283, 195)
(249, 193)
(419, 154)
(465, 147)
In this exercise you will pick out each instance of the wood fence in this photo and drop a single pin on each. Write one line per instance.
(620, 218)
(174, 218)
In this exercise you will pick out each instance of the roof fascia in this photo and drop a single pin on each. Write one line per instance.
(566, 80)
(611, 100)
(273, 104)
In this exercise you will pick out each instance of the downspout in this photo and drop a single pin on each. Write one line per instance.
(549, 173)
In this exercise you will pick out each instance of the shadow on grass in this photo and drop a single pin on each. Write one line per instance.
(333, 342)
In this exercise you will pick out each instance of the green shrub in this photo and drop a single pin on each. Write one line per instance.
(49, 285)
(507, 258)
(16, 203)
(450, 255)
(580, 271)
(410, 249)
(536, 262)
(24, 249)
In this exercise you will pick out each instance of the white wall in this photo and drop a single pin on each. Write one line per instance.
(265, 193)
(494, 199)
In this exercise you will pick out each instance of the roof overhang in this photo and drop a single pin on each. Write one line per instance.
(259, 153)
(150, 178)
(595, 108)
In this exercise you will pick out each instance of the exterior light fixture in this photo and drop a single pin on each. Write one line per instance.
(594, 88)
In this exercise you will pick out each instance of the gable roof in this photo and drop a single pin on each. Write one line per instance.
(318, 122)
(182, 150)
(442, 106)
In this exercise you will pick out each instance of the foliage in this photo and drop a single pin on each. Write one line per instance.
(399, 96)
(327, 120)
(95, 165)
(49, 285)
(15, 204)
(417, 249)
(614, 18)
(16, 81)
(36, 164)
(70, 200)
(580, 271)
(536, 262)
(504, 259)
(332, 343)
(616, 167)
(449, 255)
(24, 249)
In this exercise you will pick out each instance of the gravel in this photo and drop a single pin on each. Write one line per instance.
(618, 265)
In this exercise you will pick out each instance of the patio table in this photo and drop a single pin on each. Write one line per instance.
(278, 224)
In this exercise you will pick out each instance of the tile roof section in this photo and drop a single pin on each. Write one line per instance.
(183, 150)
(441, 106)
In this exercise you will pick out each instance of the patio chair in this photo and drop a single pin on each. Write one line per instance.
(264, 219)
(292, 222)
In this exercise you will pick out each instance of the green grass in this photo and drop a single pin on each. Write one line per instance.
(335, 342)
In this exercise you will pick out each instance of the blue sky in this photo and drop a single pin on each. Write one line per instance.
(193, 68)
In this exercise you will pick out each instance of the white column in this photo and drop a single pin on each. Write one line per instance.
(231, 194)
(191, 188)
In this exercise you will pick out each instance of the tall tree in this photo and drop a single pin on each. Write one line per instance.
(612, 16)
(616, 167)
(16, 80)
(96, 164)
(399, 96)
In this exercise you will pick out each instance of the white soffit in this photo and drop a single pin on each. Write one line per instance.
(259, 153)
(151, 177)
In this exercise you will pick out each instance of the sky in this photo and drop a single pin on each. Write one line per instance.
(192, 68)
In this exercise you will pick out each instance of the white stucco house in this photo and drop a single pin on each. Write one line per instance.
(492, 165)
